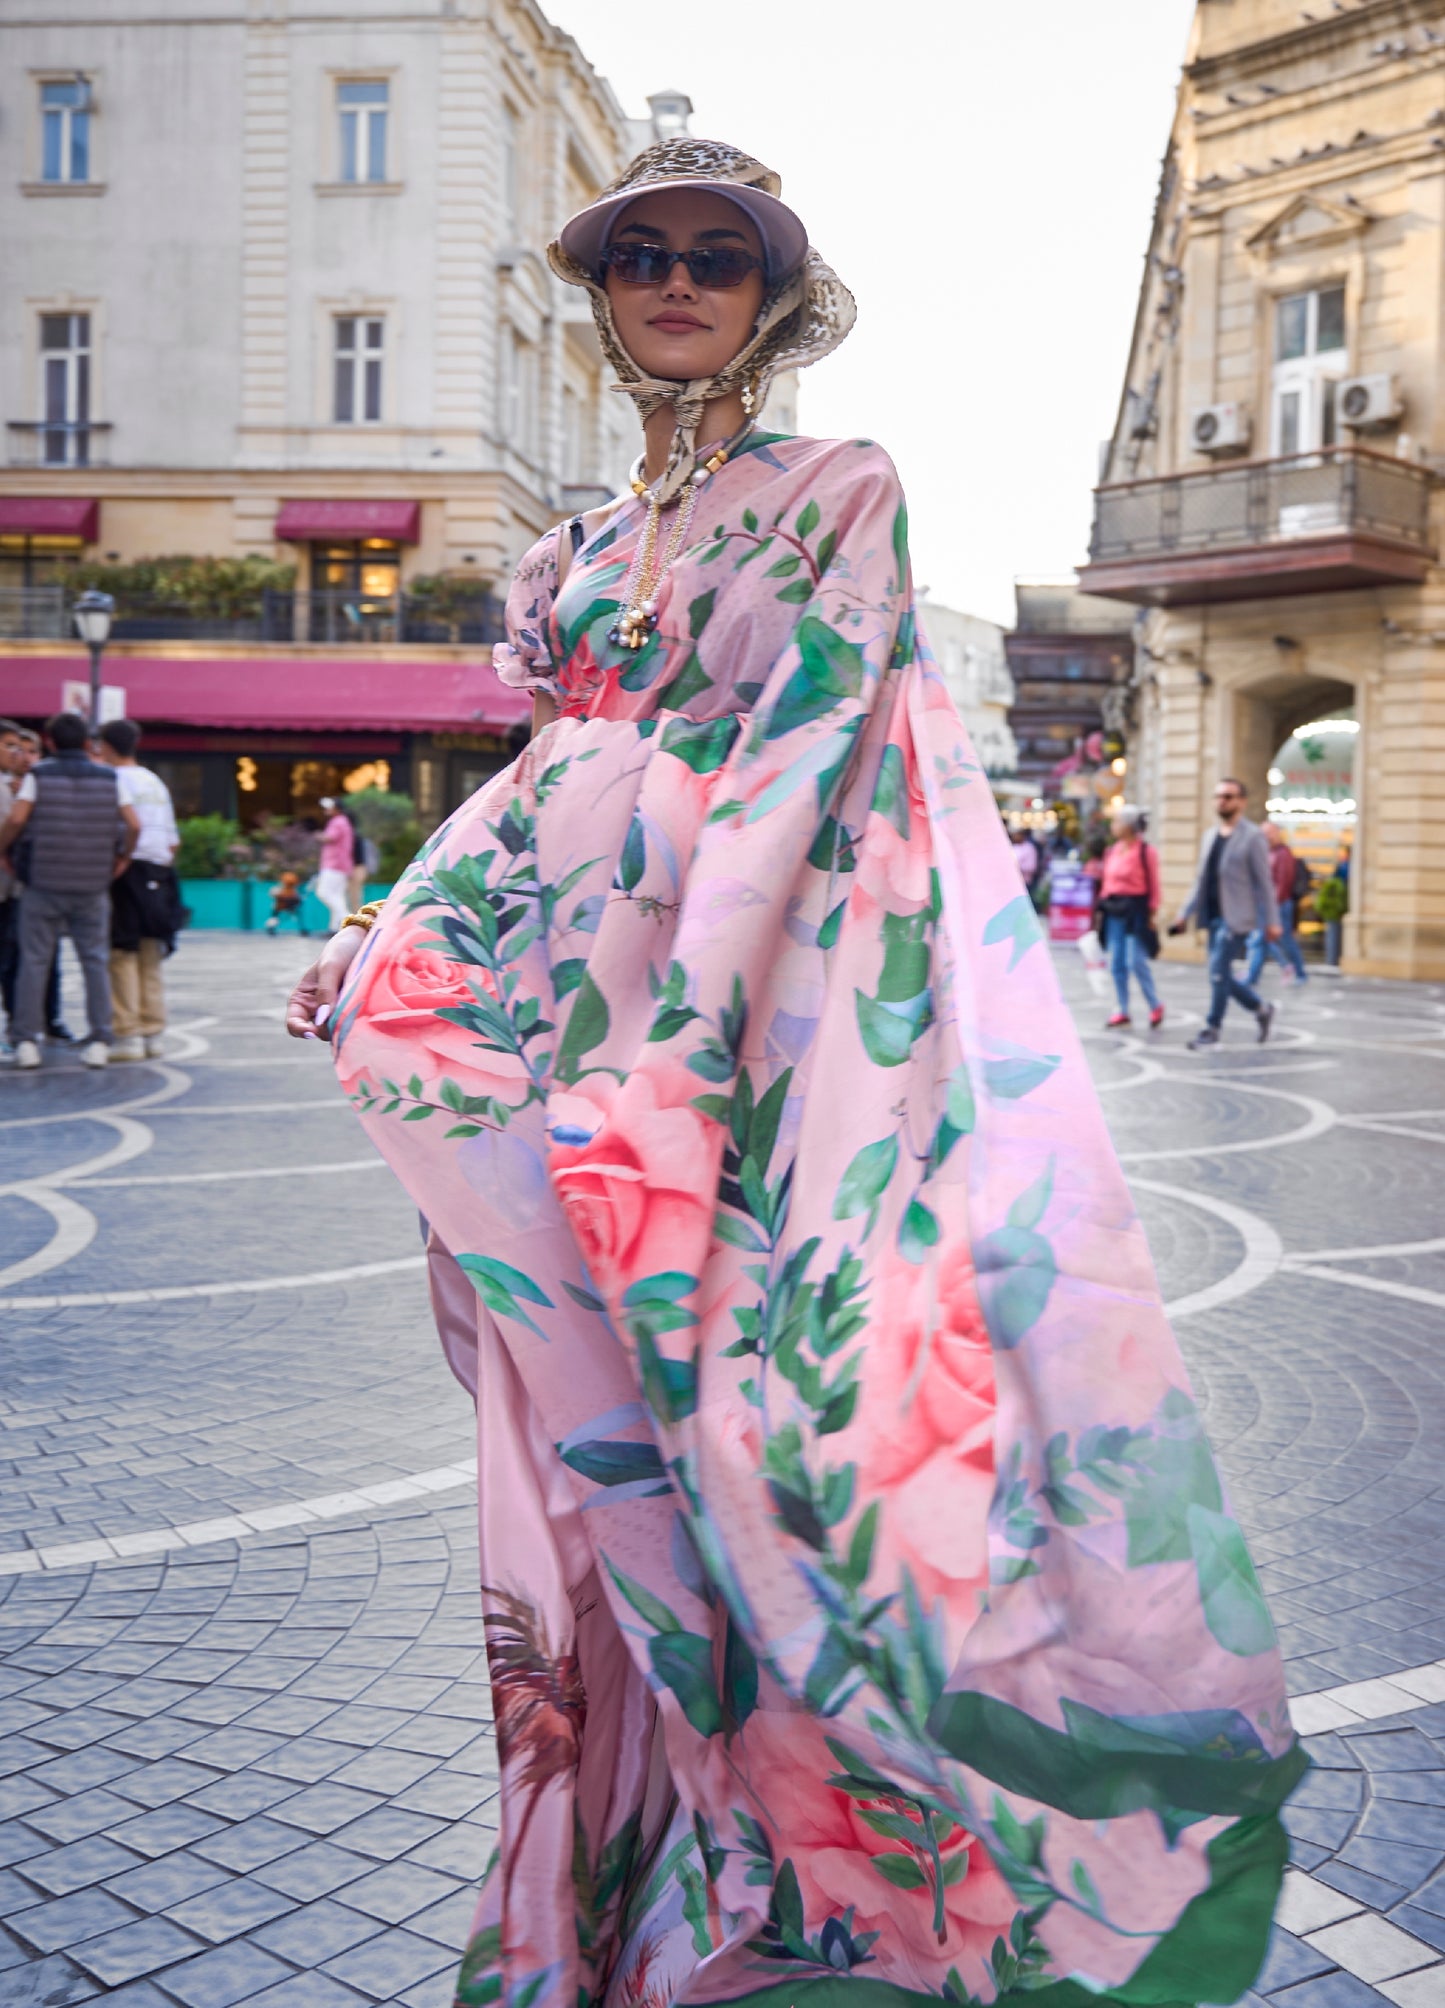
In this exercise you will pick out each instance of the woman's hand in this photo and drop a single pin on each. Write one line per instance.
(309, 1007)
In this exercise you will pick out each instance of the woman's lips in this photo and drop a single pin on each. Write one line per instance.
(675, 324)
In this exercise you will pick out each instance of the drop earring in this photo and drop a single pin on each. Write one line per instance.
(750, 399)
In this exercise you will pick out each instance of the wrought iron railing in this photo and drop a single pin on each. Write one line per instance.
(46, 443)
(34, 613)
(1342, 490)
(43, 613)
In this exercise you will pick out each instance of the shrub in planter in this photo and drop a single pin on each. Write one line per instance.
(214, 588)
(389, 820)
(212, 847)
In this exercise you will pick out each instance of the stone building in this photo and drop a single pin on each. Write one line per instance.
(970, 653)
(1070, 656)
(1272, 489)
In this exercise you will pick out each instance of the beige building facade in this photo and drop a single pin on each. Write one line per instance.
(265, 255)
(1272, 494)
(970, 653)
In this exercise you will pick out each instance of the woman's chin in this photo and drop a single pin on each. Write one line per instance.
(678, 361)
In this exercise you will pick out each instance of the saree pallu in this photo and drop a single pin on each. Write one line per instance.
(865, 1613)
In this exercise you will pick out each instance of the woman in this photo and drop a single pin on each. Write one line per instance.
(1128, 905)
(861, 1599)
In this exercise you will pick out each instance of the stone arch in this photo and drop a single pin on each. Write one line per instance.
(1267, 709)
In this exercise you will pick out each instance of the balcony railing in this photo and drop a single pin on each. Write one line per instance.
(1315, 522)
(42, 443)
(331, 619)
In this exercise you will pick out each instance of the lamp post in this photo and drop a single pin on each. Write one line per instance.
(92, 613)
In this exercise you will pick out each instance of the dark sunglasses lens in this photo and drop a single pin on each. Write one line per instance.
(651, 264)
(639, 264)
(718, 266)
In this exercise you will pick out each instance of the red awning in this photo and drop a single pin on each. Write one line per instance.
(50, 516)
(323, 522)
(280, 691)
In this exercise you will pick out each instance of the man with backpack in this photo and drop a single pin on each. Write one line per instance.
(1292, 880)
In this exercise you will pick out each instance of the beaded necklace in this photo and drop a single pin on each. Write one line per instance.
(637, 608)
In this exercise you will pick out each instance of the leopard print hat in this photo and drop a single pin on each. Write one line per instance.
(806, 312)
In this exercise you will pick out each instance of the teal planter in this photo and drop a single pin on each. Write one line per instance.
(244, 905)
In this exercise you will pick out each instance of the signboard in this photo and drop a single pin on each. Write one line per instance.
(75, 696)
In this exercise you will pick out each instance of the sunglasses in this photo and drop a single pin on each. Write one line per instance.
(715, 267)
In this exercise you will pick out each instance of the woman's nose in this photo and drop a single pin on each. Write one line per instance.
(683, 285)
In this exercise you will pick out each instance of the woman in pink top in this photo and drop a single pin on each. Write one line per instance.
(337, 856)
(1128, 902)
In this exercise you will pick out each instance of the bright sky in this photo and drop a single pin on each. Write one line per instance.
(983, 178)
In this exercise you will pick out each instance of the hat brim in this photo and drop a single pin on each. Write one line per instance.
(585, 236)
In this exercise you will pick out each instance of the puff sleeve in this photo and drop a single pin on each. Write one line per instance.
(524, 659)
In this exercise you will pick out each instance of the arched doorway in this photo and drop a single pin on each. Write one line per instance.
(1297, 747)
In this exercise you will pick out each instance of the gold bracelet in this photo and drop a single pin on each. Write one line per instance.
(365, 917)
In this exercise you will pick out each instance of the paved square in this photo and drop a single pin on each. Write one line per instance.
(245, 1745)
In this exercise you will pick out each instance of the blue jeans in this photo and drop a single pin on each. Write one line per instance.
(1286, 951)
(1127, 952)
(1225, 949)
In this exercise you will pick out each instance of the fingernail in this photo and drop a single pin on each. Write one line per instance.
(321, 1014)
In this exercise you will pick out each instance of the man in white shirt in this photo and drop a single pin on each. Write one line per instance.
(145, 901)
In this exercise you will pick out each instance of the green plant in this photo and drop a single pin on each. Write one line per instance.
(212, 847)
(389, 820)
(277, 844)
(1331, 900)
(448, 598)
(222, 588)
(398, 850)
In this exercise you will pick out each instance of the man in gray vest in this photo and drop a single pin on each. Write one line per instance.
(1233, 896)
(78, 837)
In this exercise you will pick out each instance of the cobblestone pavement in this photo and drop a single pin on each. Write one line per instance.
(245, 1748)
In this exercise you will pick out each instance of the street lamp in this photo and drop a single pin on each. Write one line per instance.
(92, 614)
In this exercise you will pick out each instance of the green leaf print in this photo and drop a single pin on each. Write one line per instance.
(900, 1870)
(690, 682)
(633, 861)
(890, 796)
(669, 1386)
(1018, 924)
(827, 546)
(887, 1035)
(682, 1661)
(797, 593)
(1016, 1272)
(918, 1233)
(567, 975)
(750, 521)
(784, 567)
(1031, 1206)
(1234, 1606)
(866, 1179)
(503, 1289)
(829, 669)
(1173, 1470)
(699, 612)
(618, 1464)
(808, 519)
(587, 1027)
(900, 545)
(702, 744)
(740, 1677)
(480, 1981)
(652, 1610)
(1010, 1080)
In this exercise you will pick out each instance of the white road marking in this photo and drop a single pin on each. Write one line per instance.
(1263, 1249)
(176, 1292)
(222, 1177)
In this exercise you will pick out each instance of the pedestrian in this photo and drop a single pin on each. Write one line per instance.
(11, 769)
(362, 850)
(56, 1029)
(287, 899)
(1026, 857)
(79, 837)
(337, 860)
(838, 1472)
(145, 900)
(1128, 909)
(1233, 894)
(1292, 878)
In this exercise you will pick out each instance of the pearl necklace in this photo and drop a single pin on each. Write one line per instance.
(637, 609)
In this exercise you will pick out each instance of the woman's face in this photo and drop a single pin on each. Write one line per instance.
(677, 329)
(1124, 831)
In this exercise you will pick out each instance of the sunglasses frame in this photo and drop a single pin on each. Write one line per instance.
(704, 251)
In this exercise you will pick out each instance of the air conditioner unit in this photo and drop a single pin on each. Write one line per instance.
(1220, 428)
(1369, 403)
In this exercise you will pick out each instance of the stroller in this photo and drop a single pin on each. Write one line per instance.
(286, 898)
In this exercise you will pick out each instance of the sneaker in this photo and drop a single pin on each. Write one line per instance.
(60, 1033)
(27, 1053)
(1207, 1037)
(1156, 1017)
(95, 1053)
(128, 1049)
(1264, 1020)
(7, 1053)
(155, 1045)
(1119, 1018)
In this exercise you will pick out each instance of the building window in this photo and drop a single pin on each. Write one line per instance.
(1310, 357)
(360, 348)
(65, 110)
(65, 389)
(362, 109)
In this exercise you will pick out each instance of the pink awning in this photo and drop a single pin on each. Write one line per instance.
(280, 691)
(50, 516)
(325, 522)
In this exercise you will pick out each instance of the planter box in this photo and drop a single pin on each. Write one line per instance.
(245, 905)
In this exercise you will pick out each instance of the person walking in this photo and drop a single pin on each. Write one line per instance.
(56, 1029)
(1291, 877)
(1128, 906)
(145, 900)
(79, 839)
(338, 856)
(1233, 894)
(11, 769)
(851, 1545)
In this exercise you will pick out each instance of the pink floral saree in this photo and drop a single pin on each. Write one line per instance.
(865, 1614)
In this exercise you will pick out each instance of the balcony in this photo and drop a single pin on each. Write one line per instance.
(1314, 523)
(280, 620)
(46, 443)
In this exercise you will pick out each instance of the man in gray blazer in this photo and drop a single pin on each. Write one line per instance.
(1233, 895)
